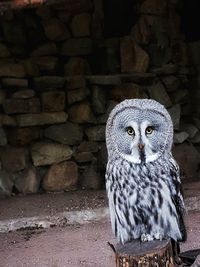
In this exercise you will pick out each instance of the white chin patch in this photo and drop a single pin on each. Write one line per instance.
(131, 158)
(136, 158)
(152, 157)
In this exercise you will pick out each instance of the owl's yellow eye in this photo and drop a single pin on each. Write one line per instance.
(149, 130)
(130, 131)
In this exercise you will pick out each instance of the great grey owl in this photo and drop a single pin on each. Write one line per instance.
(142, 178)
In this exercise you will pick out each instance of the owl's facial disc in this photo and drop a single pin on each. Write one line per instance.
(136, 146)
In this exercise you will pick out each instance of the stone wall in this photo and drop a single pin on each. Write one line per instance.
(59, 79)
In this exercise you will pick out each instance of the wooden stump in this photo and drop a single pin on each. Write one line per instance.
(145, 254)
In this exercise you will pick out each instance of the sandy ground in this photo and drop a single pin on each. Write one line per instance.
(77, 245)
(51, 203)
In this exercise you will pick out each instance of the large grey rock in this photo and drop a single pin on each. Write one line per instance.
(44, 153)
(41, 119)
(133, 57)
(49, 82)
(53, 101)
(13, 106)
(80, 25)
(3, 138)
(27, 181)
(15, 82)
(158, 92)
(68, 133)
(189, 160)
(47, 64)
(76, 47)
(24, 94)
(77, 66)
(175, 113)
(14, 159)
(21, 136)
(96, 133)
(12, 70)
(61, 176)
(88, 146)
(77, 95)
(6, 183)
(45, 50)
(99, 99)
(81, 113)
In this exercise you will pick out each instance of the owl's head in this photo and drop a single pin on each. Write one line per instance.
(139, 130)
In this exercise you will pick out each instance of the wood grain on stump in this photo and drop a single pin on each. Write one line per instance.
(145, 254)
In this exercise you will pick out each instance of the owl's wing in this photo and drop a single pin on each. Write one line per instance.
(177, 195)
(117, 202)
(110, 189)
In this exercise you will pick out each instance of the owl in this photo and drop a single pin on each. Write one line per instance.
(142, 178)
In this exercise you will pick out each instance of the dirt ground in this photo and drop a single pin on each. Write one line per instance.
(77, 245)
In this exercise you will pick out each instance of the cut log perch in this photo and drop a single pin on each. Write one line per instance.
(145, 254)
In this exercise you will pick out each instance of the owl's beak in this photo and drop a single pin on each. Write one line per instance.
(141, 146)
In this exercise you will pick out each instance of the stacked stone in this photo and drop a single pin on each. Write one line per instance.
(50, 134)
(54, 108)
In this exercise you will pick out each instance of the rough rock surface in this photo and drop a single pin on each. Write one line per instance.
(41, 118)
(68, 133)
(96, 133)
(48, 153)
(61, 176)
(81, 113)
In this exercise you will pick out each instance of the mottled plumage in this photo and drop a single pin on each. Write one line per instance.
(142, 178)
